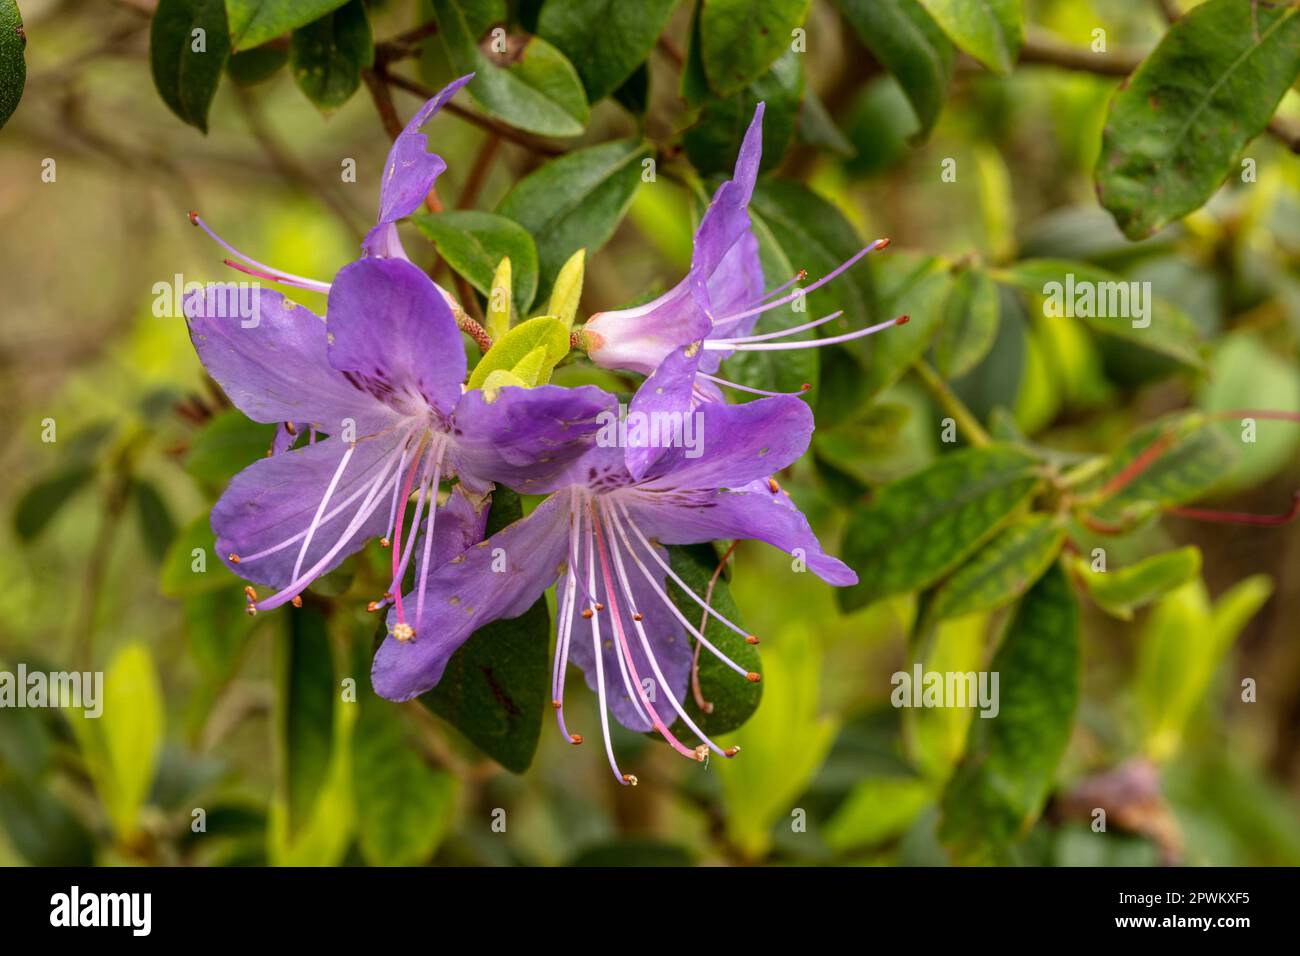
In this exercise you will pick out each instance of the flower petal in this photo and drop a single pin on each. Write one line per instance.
(524, 437)
(754, 511)
(667, 392)
(276, 370)
(464, 595)
(275, 499)
(392, 333)
(409, 174)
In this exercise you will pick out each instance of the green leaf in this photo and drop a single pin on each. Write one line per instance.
(227, 445)
(253, 22)
(13, 67)
(1121, 591)
(499, 300)
(41, 827)
(1004, 779)
(327, 55)
(908, 43)
(1002, 570)
(915, 286)
(403, 805)
(734, 699)
(218, 628)
(877, 809)
(817, 127)
(634, 851)
(606, 40)
(514, 347)
(532, 87)
(1247, 373)
(713, 143)
(567, 291)
(576, 201)
(123, 744)
(257, 65)
(45, 499)
(474, 243)
(740, 39)
(1175, 128)
(496, 686)
(1070, 289)
(936, 736)
(303, 715)
(781, 746)
(1185, 457)
(156, 524)
(188, 48)
(969, 326)
(1183, 643)
(989, 30)
(916, 530)
(186, 571)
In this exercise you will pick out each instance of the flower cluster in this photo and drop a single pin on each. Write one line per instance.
(380, 433)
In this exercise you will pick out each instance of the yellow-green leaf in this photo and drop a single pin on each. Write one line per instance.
(568, 288)
(513, 348)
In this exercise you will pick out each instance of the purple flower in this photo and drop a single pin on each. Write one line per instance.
(600, 532)
(381, 376)
(681, 338)
(409, 173)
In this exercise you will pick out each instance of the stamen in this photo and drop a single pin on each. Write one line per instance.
(741, 345)
(782, 333)
(274, 275)
(320, 509)
(402, 556)
(600, 680)
(564, 627)
(436, 451)
(749, 388)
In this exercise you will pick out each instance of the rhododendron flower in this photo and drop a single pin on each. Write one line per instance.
(382, 377)
(600, 532)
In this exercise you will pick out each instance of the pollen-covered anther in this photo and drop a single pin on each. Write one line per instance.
(557, 704)
(385, 543)
(233, 558)
(638, 616)
(251, 610)
(251, 593)
(374, 606)
(296, 600)
(902, 320)
(772, 486)
(599, 606)
(586, 613)
(403, 632)
(882, 243)
(753, 677)
(801, 275)
(731, 751)
(702, 753)
(630, 779)
(751, 639)
(194, 218)
(575, 739)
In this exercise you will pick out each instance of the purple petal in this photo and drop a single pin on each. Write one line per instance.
(525, 437)
(667, 392)
(666, 636)
(736, 444)
(459, 525)
(754, 511)
(640, 338)
(275, 499)
(409, 174)
(277, 370)
(392, 332)
(464, 595)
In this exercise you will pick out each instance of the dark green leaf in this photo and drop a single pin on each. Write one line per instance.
(496, 686)
(1002, 570)
(253, 22)
(45, 499)
(634, 94)
(327, 55)
(191, 565)
(403, 805)
(740, 39)
(918, 529)
(188, 48)
(915, 286)
(13, 67)
(305, 690)
(606, 40)
(156, 524)
(474, 243)
(227, 445)
(41, 827)
(531, 85)
(1121, 591)
(907, 41)
(257, 65)
(989, 30)
(576, 201)
(734, 699)
(969, 326)
(1000, 786)
(1077, 290)
(217, 627)
(817, 127)
(1175, 128)
(713, 143)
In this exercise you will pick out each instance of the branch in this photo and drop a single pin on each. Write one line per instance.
(1050, 52)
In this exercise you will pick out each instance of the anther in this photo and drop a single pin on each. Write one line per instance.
(374, 606)
(629, 779)
(252, 610)
(234, 558)
(599, 606)
(194, 218)
(575, 739)
(731, 751)
(557, 704)
(403, 632)
(753, 678)
(586, 613)
(903, 320)
(751, 639)
(772, 486)
(250, 593)
(385, 543)
(296, 600)
(802, 274)
(702, 753)
(638, 616)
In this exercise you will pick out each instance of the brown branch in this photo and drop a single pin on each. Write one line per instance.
(1040, 50)
(377, 84)
(479, 172)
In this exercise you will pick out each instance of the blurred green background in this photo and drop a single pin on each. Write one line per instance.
(830, 772)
